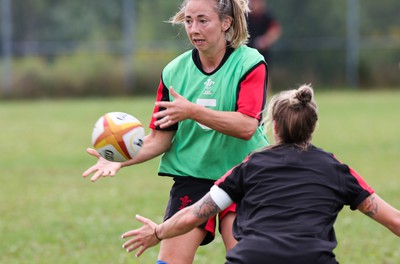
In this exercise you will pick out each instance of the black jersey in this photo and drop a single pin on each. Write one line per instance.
(259, 24)
(287, 203)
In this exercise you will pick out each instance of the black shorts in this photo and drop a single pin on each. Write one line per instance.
(188, 190)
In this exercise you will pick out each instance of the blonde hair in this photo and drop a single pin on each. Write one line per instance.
(237, 34)
(295, 115)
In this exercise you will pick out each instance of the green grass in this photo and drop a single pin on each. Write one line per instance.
(50, 214)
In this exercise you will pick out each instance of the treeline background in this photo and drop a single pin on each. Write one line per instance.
(60, 48)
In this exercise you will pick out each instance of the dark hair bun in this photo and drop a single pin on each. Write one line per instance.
(304, 94)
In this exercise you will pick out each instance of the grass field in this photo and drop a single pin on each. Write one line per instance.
(50, 214)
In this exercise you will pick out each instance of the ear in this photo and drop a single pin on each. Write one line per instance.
(226, 24)
(275, 127)
(275, 131)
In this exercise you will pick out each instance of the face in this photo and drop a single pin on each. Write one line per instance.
(203, 26)
(257, 5)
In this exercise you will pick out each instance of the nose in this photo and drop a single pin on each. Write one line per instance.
(194, 27)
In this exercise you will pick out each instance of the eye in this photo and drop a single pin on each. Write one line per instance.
(203, 21)
(188, 22)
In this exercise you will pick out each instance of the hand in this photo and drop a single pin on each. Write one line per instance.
(260, 43)
(143, 237)
(102, 168)
(176, 111)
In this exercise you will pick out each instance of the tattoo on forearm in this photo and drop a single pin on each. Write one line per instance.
(207, 208)
(369, 206)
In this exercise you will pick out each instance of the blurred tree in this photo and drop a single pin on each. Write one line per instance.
(312, 46)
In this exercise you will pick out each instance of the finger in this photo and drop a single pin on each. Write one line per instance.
(160, 115)
(142, 219)
(173, 93)
(128, 234)
(166, 124)
(97, 175)
(145, 221)
(133, 246)
(93, 152)
(129, 243)
(163, 121)
(164, 104)
(141, 250)
(89, 171)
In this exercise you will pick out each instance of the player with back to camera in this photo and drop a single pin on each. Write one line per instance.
(288, 195)
(206, 117)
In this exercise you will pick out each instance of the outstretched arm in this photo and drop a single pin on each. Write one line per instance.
(155, 143)
(382, 212)
(182, 222)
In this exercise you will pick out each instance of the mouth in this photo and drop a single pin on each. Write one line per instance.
(198, 41)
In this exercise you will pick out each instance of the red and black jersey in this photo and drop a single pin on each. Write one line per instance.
(287, 203)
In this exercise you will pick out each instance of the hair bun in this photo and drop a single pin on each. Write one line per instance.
(304, 94)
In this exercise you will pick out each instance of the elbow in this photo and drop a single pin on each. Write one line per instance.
(247, 128)
(189, 219)
(188, 223)
(247, 134)
(246, 137)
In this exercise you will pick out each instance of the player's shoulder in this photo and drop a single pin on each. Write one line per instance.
(244, 49)
(246, 55)
(182, 58)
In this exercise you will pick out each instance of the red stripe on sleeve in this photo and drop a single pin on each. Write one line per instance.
(361, 181)
(252, 94)
(162, 95)
(358, 177)
(229, 172)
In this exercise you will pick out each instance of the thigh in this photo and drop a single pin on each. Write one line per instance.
(185, 192)
(226, 221)
(181, 249)
(226, 224)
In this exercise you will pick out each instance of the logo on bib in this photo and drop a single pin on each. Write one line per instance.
(208, 89)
